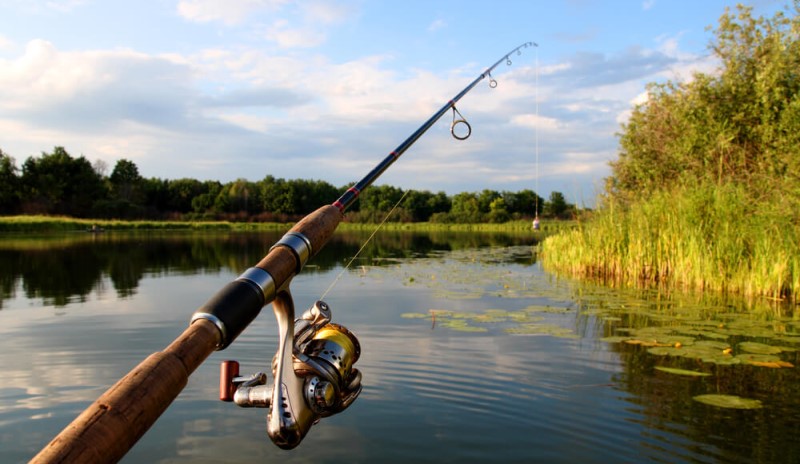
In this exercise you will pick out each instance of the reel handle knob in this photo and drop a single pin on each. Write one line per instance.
(228, 370)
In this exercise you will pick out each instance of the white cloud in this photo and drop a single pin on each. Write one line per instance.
(88, 87)
(437, 25)
(248, 121)
(243, 111)
(288, 35)
(534, 121)
(307, 26)
(288, 24)
(5, 43)
(229, 12)
(324, 11)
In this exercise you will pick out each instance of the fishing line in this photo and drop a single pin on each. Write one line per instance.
(536, 130)
(355, 256)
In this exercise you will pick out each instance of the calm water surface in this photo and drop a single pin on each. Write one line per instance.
(470, 353)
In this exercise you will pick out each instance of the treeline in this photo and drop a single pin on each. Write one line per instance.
(59, 184)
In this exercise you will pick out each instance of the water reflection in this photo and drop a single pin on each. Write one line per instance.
(670, 415)
(80, 311)
(65, 269)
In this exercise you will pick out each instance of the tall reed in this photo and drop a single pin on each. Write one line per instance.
(706, 237)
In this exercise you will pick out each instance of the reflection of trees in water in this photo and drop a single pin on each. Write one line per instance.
(66, 269)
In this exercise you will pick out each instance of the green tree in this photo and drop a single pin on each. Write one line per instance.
(9, 184)
(205, 202)
(485, 199)
(242, 196)
(439, 203)
(523, 203)
(126, 183)
(156, 192)
(308, 195)
(380, 198)
(421, 205)
(466, 208)
(497, 211)
(740, 124)
(57, 183)
(180, 194)
(127, 192)
(276, 196)
(557, 206)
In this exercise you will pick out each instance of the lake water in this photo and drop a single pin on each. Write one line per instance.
(470, 353)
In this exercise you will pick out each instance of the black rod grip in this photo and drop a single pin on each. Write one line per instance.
(232, 309)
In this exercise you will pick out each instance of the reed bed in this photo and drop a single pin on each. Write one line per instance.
(706, 238)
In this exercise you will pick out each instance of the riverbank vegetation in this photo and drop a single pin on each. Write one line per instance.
(706, 191)
(58, 184)
(39, 223)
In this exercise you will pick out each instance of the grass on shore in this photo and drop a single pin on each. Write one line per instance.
(67, 224)
(706, 238)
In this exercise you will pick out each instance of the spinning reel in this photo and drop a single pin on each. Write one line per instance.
(313, 373)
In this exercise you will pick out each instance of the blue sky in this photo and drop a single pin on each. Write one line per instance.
(227, 89)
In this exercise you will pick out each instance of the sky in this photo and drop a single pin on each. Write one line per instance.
(324, 90)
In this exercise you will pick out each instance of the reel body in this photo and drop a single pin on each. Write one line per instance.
(312, 370)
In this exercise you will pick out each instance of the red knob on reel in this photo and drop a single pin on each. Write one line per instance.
(228, 371)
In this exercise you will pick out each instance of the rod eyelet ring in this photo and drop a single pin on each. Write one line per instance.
(492, 83)
(453, 129)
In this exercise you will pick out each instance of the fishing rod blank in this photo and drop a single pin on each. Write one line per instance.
(352, 193)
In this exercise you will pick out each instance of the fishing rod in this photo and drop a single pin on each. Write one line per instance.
(312, 368)
(352, 193)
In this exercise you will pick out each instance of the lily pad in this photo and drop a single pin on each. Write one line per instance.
(664, 351)
(749, 358)
(728, 401)
(547, 309)
(541, 329)
(415, 316)
(676, 371)
(759, 348)
(463, 327)
(704, 350)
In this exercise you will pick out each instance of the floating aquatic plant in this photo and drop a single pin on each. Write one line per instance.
(761, 348)
(728, 401)
(676, 371)
(542, 329)
(720, 333)
(514, 322)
